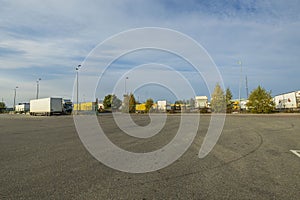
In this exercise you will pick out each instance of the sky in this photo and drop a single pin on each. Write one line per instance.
(49, 39)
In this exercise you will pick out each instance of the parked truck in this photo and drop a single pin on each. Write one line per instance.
(22, 108)
(46, 106)
(140, 108)
(288, 101)
(67, 106)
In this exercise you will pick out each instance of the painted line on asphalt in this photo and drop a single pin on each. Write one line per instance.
(296, 152)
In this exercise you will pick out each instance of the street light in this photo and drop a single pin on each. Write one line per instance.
(37, 88)
(14, 108)
(77, 69)
(125, 85)
(240, 84)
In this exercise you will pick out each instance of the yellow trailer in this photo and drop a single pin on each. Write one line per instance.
(86, 106)
(140, 108)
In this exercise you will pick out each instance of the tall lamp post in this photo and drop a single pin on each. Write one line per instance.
(37, 88)
(125, 86)
(77, 69)
(14, 108)
(240, 83)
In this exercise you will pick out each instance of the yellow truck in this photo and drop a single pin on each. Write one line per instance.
(140, 108)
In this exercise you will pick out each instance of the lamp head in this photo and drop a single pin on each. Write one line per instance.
(77, 68)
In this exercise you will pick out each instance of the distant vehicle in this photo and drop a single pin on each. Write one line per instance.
(140, 108)
(22, 108)
(163, 106)
(50, 106)
(67, 106)
(239, 105)
(201, 102)
(174, 108)
(288, 101)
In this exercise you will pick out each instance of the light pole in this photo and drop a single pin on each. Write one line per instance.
(240, 84)
(247, 92)
(77, 80)
(125, 86)
(15, 97)
(37, 88)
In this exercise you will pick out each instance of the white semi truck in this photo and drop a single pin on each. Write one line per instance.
(22, 108)
(201, 102)
(46, 106)
(288, 101)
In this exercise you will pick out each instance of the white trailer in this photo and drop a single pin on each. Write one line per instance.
(201, 102)
(287, 101)
(46, 106)
(162, 106)
(22, 108)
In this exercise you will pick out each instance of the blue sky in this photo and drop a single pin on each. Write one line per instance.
(48, 39)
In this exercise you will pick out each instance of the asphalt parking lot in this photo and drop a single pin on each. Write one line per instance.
(43, 158)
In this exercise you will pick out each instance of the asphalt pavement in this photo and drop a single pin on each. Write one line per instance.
(44, 158)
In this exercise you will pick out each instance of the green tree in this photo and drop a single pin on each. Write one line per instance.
(107, 101)
(260, 101)
(132, 103)
(228, 96)
(111, 101)
(129, 103)
(149, 104)
(180, 102)
(2, 107)
(218, 100)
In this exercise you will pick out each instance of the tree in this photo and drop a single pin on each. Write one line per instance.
(218, 100)
(228, 96)
(2, 107)
(149, 104)
(111, 101)
(107, 101)
(129, 103)
(260, 101)
(132, 103)
(178, 102)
